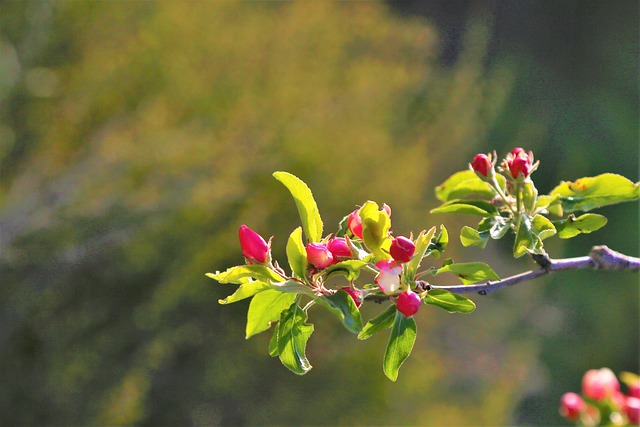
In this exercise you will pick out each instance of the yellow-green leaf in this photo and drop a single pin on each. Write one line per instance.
(307, 207)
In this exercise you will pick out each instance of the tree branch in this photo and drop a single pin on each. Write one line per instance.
(600, 258)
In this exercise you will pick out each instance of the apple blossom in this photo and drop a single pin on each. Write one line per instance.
(254, 247)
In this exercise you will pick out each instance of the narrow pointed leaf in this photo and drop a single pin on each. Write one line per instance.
(273, 343)
(297, 254)
(422, 244)
(588, 193)
(245, 290)
(379, 323)
(450, 301)
(307, 207)
(585, 223)
(240, 272)
(470, 272)
(401, 341)
(293, 334)
(265, 308)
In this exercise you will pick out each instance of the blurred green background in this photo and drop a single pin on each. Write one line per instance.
(136, 137)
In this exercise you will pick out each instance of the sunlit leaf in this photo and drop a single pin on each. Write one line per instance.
(470, 272)
(403, 336)
(585, 223)
(450, 301)
(342, 305)
(350, 268)
(293, 334)
(438, 243)
(379, 323)
(470, 237)
(470, 207)
(307, 208)
(466, 184)
(245, 290)
(542, 228)
(265, 307)
(375, 229)
(296, 253)
(238, 273)
(422, 244)
(589, 193)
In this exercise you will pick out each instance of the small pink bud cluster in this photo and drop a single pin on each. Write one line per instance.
(519, 163)
(602, 386)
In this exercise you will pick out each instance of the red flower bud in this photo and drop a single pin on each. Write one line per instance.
(319, 255)
(408, 303)
(355, 293)
(571, 405)
(481, 164)
(339, 248)
(355, 223)
(634, 390)
(632, 409)
(254, 247)
(402, 249)
(599, 384)
(519, 162)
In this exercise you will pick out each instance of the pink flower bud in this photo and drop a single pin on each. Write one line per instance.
(632, 409)
(254, 247)
(319, 255)
(571, 405)
(519, 162)
(599, 384)
(388, 279)
(408, 303)
(387, 209)
(634, 390)
(481, 164)
(355, 223)
(355, 293)
(402, 249)
(339, 248)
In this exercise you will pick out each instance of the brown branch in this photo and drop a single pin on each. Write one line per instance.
(600, 258)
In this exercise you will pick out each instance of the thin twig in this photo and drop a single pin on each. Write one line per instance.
(600, 258)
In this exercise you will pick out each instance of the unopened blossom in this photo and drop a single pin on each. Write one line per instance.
(481, 164)
(355, 223)
(402, 249)
(408, 303)
(319, 255)
(571, 405)
(388, 279)
(254, 247)
(339, 248)
(599, 384)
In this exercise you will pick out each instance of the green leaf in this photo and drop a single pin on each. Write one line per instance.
(466, 184)
(497, 227)
(238, 273)
(585, 223)
(342, 305)
(379, 323)
(273, 343)
(470, 272)
(470, 207)
(245, 290)
(530, 234)
(439, 242)
(297, 254)
(375, 229)
(403, 336)
(450, 301)
(265, 308)
(350, 268)
(471, 237)
(422, 244)
(542, 227)
(307, 208)
(293, 334)
(589, 193)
